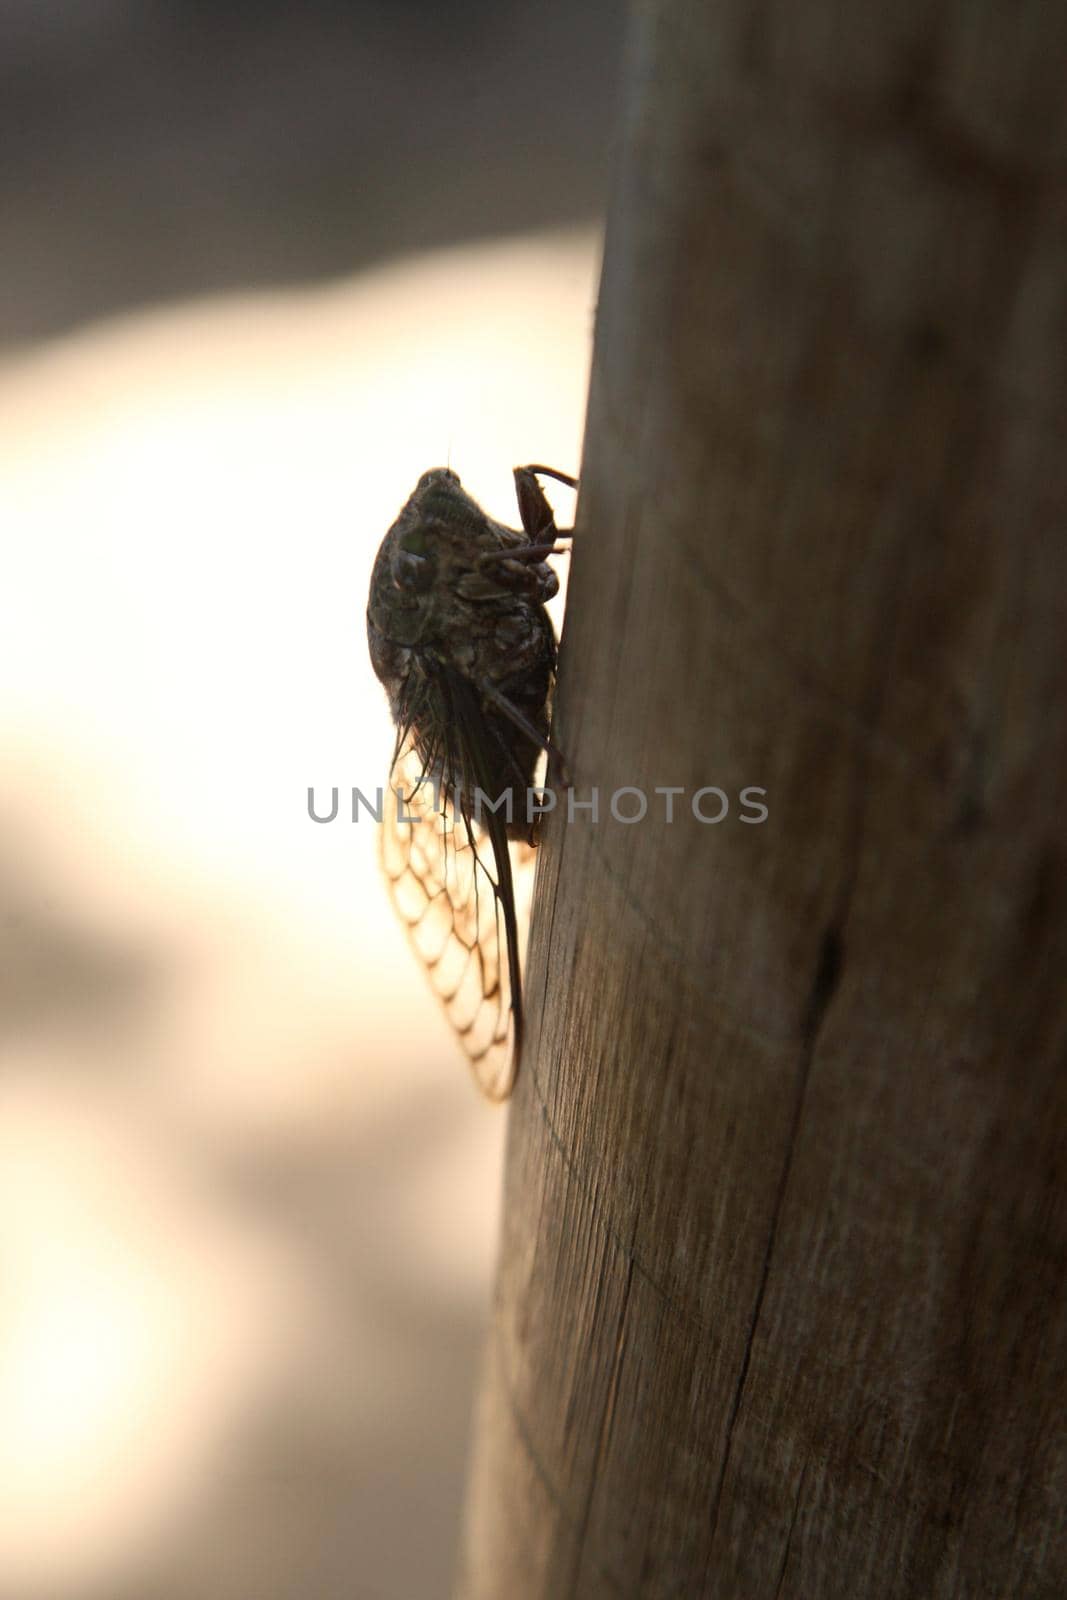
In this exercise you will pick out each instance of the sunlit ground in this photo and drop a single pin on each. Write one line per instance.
(248, 1192)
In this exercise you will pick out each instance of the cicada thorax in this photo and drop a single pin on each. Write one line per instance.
(460, 638)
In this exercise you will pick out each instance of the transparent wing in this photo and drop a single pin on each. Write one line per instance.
(458, 904)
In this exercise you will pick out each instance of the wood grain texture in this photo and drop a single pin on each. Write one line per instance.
(781, 1304)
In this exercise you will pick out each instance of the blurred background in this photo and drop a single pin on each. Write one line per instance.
(260, 266)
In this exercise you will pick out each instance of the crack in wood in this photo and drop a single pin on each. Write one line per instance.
(789, 1536)
(824, 985)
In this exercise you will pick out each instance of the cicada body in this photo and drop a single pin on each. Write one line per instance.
(461, 640)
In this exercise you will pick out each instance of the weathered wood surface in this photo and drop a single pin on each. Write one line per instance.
(781, 1305)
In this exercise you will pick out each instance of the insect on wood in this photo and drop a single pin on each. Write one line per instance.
(460, 637)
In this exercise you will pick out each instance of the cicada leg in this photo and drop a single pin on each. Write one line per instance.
(538, 518)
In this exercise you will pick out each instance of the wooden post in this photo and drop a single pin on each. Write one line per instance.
(781, 1306)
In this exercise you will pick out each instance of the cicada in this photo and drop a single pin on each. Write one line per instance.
(460, 637)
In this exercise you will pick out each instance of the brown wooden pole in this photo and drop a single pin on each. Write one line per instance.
(781, 1304)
